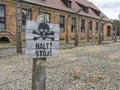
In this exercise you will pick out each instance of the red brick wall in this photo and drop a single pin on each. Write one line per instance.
(11, 21)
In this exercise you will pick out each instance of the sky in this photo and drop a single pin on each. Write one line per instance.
(111, 8)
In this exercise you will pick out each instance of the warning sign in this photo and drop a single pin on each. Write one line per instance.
(42, 39)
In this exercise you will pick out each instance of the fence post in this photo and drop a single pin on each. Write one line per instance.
(100, 31)
(76, 27)
(67, 38)
(39, 74)
(18, 28)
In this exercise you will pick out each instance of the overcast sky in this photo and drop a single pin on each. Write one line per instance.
(111, 8)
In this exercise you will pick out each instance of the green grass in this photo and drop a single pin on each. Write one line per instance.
(11, 44)
(61, 41)
(8, 44)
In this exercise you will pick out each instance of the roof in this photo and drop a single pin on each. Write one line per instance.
(58, 4)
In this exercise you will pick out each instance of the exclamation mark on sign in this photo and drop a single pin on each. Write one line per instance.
(50, 45)
(50, 49)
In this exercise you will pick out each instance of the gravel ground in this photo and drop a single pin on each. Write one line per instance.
(95, 67)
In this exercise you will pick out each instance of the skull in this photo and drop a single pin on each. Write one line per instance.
(43, 30)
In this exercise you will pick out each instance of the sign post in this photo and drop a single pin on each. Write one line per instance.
(42, 41)
(39, 74)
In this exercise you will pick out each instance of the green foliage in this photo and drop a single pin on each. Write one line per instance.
(117, 24)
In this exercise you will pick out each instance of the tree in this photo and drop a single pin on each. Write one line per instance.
(119, 16)
(117, 24)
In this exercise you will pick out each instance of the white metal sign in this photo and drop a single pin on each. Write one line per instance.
(42, 39)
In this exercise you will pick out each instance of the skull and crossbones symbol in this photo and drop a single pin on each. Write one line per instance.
(43, 32)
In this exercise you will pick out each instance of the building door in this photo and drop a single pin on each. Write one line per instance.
(108, 30)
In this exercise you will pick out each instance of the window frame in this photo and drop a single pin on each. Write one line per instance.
(24, 21)
(97, 26)
(46, 13)
(90, 26)
(62, 25)
(83, 25)
(4, 17)
(102, 26)
(69, 4)
(73, 25)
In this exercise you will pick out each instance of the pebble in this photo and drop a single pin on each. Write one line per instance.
(101, 72)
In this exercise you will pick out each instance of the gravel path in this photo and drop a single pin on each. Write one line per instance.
(82, 68)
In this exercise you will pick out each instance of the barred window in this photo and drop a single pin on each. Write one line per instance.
(73, 25)
(26, 14)
(102, 27)
(2, 17)
(69, 4)
(82, 25)
(47, 17)
(62, 23)
(96, 27)
(90, 27)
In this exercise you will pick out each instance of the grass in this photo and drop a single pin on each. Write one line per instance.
(61, 41)
(8, 44)
(11, 44)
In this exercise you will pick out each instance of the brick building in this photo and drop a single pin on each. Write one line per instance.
(62, 12)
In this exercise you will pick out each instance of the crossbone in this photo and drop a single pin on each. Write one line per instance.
(47, 35)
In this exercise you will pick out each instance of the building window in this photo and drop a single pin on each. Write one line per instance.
(90, 27)
(47, 17)
(82, 25)
(102, 27)
(69, 4)
(2, 17)
(84, 8)
(73, 25)
(26, 14)
(96, 11)
(96, 27)
(62, 23)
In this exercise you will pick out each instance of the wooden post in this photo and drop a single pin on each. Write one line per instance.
(88, 37)
(115, 40)
(39, 74)
(67, 38)
(119, 33)
(39, 48)
(100, 31)
(18, 29)
(76, 28)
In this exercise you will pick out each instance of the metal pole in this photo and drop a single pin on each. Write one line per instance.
(18, 28)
